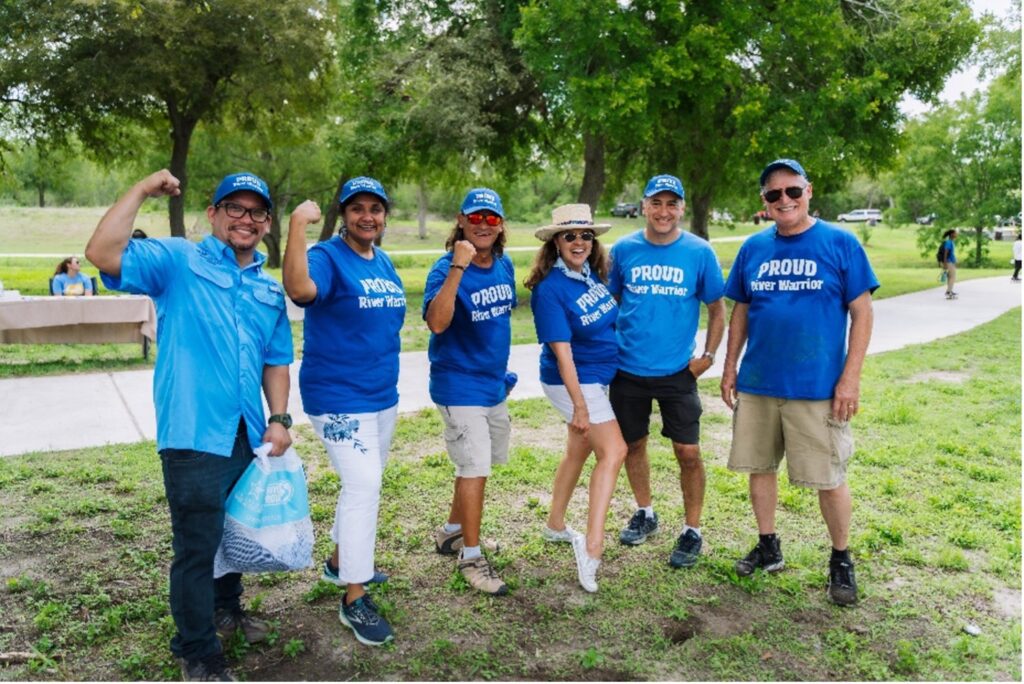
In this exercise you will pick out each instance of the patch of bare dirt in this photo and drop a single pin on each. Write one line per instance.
(1007, 602)
(955, 377)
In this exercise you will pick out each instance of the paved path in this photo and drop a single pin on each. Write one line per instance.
(60, 412)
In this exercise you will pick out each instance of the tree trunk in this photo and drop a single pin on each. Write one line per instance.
(41, 189)
(331, 219)
(979, 237)
(593, 171)
(272, 241)
(181, 134)
(700, 209)
(421, 208)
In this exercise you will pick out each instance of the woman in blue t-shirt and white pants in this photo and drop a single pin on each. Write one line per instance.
(355, 304)
(575, 314)
(467, 304)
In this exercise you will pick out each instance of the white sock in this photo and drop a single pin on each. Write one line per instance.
(687, 527)
(649, 510)
(452, 527)
(470, 552)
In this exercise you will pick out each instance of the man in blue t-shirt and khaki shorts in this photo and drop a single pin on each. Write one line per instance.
(661, 275)
(794, 285)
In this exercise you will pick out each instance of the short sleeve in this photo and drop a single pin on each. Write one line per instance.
(280, 351)
(860, 277)
(435, 280)
(148, 265)
(321, 272)
(735, 286)
(614, 277)
(713, 286)
(549, 315)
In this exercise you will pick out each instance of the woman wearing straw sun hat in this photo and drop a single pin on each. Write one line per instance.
(575, 318)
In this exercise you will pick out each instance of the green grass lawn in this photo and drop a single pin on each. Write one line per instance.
(893, 255)
(85, 547)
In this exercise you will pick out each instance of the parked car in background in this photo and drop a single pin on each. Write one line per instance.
(861, 215)
(627, 209)
(926, 220)
(1005, 232)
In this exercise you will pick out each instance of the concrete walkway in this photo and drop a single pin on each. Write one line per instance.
(60, 412)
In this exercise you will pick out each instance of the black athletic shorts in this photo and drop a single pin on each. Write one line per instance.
(632, 399)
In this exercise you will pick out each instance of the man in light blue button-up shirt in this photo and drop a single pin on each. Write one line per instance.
(223, 335)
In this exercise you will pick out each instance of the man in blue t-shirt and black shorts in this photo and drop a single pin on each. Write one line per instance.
(794, 285)
(661, 275)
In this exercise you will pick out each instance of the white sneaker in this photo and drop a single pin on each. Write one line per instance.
(565, 535)
(586, 567)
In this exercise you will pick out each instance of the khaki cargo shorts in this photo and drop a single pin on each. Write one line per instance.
(817, 447)
(477, 437)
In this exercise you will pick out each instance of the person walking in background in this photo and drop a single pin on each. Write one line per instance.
(223, 335)
(575, 314)
(68, 280)
(661, 275)
(949, 261)
(1016, 259)
(355, 307)
(467, 304)
(798, 386)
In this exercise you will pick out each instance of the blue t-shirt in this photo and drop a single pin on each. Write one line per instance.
(576, 308)
(69, 286)
(660, 289)
(219, 325)
(351, 333)
(469, 359)
(799, 289)
(950, 251)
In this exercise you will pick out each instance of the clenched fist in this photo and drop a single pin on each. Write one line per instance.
(463, 253)
(160, 184)
(307, 212)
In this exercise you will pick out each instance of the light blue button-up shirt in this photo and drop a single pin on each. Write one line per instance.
(218, 326)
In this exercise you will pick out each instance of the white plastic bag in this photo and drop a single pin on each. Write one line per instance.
(267, 526)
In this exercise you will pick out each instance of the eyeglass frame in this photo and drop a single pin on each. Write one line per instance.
(581, 235)
(490, 219)
(792, 192)
(245, 210)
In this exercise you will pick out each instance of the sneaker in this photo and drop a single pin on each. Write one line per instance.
(566, 535)
(586, 567)
(230, 621)
(951, 295)
(450, 543)
(687, 550)
(842, 585)
(212, 668)
(767, 557)
(329, 575)
(363, 618)
(481, 576)
(640, 527)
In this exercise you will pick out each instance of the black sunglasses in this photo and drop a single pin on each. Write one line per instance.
(792, 193)
(570, 236)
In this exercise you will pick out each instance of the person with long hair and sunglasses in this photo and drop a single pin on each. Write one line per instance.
(662, 274)
(355, 306)
(68, 280)
(574, 314)
(795, 285)
(223, 336)
(467, 304)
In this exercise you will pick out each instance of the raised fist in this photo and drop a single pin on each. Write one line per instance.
(463, 253)
(160, 184)
(307, 212)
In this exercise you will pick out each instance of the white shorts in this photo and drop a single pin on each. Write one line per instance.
(595, 395)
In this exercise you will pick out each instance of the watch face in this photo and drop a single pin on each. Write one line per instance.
(283, 419)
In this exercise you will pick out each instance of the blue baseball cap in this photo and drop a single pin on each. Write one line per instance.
(239, 182)
(791, 164)
(479, 199)
(664, 183)
(359, 184)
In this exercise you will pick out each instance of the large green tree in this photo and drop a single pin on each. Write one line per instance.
(88, 67)
(714, 90)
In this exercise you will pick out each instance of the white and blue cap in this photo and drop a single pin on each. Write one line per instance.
(480, 199)
(242, 182)
(664, 183)
(791, 164)
(359, 184)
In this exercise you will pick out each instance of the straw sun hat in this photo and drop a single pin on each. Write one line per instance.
(571, 217)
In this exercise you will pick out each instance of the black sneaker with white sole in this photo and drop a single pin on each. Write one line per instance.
(764, 555)
(842, 583)
(639, 528)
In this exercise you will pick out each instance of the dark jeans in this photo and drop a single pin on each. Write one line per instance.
(197, 486)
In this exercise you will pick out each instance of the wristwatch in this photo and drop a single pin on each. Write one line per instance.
(284, 419)
(709, 355)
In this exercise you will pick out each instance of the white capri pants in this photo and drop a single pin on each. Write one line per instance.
(357, 444)
(595, 395)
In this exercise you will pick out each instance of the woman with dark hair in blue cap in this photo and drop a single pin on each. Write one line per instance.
(354, 304)
(467, 303)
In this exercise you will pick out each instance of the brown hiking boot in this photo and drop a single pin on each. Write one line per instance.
(450, 543)
(481, 576)
(230, 621)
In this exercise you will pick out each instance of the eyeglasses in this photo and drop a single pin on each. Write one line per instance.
(792, 193)
(477, 219)
(571, 236)
(258, 214)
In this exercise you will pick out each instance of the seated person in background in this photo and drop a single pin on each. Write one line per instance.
(68, 280)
